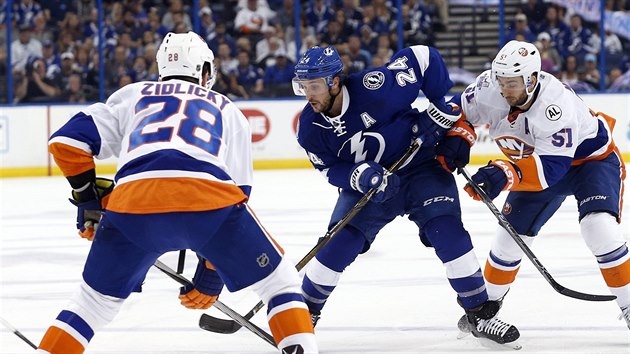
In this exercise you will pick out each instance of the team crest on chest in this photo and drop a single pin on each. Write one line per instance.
(514, 148)
(553, 112)
(373, 80)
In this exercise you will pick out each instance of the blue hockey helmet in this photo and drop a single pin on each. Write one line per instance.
(317, 62)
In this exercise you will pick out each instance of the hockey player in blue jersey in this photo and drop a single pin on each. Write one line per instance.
(351, 128)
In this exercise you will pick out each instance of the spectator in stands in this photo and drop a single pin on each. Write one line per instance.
(352, 14)
(251, 21)
(318, 15)
(557, 29)
(347, 27)
(578, 39)
(72, 25)
(207, 23)
(520, 27)
(175, 13)
(116, 68)
(154, 24)
(551, 59)
(274, 46)
(333, 35)
(591, 71)
(441, 8)
(369, 41)
(82, 65)
(131, 26)
(370, 19)
(67, 68)
(248, 76)
(284, 16)
(224, 56)
(75, 92)
(570, 73)
(221, 36)
(41, 31)
(277, 78)
(360, 59)
(621, 83)
(266, 46)
(535, 11)
(383, 11)
(308, 41)
(25, 12)
(613, 46)
(23, 48)
(417, 28)
(34, 86)
(50, 57)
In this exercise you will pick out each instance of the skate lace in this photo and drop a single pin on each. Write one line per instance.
(493, 326)
(625, 314)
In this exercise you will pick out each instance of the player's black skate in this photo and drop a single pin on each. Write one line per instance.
(625, 314)
(315, 317)
(293, 349)
(483, 322)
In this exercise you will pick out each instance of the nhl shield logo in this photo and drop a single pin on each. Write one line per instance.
(553, 112)
(373, 80)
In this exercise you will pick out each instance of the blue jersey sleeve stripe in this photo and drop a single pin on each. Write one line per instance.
(169, 160)
(81, 127)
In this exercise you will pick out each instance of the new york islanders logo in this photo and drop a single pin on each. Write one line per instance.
(514, 148)
(373, 80)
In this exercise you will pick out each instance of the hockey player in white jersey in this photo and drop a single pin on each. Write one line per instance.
(555, 147)
(183, 180)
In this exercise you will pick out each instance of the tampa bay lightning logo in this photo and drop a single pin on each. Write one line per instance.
(328, 51)
(373, 80)
(363, 146)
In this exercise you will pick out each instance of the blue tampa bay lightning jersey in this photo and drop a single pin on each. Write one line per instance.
(377, 122)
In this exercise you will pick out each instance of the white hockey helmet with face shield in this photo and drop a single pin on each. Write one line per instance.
(518, 59)
(184, 54)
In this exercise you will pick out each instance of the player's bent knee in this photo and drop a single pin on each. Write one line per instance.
(601, 232)
(284, 279)
(504, 247)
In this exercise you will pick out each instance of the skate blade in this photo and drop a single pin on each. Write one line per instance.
(485, 342)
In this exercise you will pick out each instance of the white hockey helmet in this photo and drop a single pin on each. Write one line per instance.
(184, 54)
(518, 59)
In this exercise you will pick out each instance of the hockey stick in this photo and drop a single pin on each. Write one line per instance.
(219, 305)
(528, 252)
(218, 325)
(17, 333)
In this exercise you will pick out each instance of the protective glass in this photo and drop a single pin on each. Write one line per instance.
(312, 87)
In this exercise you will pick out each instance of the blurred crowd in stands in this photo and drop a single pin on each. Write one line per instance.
(570, 47)
(55, 58)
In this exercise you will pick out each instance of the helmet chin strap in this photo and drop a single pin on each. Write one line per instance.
(530, 96)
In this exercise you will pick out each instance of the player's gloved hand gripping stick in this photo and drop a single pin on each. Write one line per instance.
(483, 196)
(219, 325)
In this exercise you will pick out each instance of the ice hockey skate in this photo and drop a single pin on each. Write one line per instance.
(484, 324)
(315, 318)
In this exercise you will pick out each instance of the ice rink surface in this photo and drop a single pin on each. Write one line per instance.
(394, 299)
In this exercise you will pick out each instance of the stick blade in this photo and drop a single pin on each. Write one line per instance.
(582, 296)
(218, 325)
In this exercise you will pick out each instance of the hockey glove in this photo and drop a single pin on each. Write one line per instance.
(91, 200)
(207, 286)
(433, 123)
(454, 151)
(496, 176)
(368, 174)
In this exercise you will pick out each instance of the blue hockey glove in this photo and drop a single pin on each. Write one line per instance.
(454, 150)
(91, 200)
(435, 121)
(207, 286)
(368, 174)
(496, 176)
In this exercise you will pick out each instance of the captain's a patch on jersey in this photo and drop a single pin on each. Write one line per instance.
(373, 80)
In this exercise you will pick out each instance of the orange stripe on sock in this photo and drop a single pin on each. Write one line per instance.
(58, 341)
(498, 276)
(618, 276)
(290, 322)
